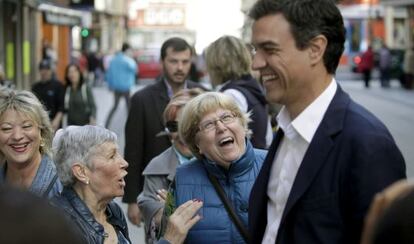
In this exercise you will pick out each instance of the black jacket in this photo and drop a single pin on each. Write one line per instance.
(256, 104)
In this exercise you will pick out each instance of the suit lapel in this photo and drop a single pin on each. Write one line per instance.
(258, 195)
(319, 148)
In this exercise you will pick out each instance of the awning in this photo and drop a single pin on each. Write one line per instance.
(361, 11)
(397, 2)
(65, 16)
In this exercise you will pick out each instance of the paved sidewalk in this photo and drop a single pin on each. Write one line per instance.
(395, 92)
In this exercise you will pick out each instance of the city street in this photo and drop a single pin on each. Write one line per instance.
(394, 106)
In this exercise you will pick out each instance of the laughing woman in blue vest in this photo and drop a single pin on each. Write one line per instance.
(215, 130)
(80, 108)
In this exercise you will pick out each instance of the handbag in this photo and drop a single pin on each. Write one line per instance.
(234, 217)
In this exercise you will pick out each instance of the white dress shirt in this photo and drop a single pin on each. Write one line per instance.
(289, 156)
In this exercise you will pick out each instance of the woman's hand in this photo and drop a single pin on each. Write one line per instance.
(162, 195)
(181, 221)
(134, 215)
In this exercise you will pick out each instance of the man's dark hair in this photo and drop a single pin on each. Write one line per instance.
(177, 44)
(307, 19)
(125, 46)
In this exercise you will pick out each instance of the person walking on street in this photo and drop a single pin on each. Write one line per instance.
(121, 77)
(51, 93)
(366, 65)
(385, 66)
(80, 108)
(145, 118)
(4, 83)
(408, 68)
(330, 155)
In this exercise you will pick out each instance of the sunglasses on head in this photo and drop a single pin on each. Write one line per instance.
(172, 126)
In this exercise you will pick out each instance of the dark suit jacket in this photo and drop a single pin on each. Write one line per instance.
(143, 123)
(351, 157)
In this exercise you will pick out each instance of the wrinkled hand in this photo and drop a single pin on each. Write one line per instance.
(162, 195)
(380, 203)
(134, 215)
(181, 221)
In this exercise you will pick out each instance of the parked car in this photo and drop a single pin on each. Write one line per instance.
(397, 59)
(148, 61)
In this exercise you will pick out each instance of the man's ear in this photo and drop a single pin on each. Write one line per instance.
(317, 48)
(79, 171)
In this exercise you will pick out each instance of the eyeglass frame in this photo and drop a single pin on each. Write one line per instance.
(232, 117)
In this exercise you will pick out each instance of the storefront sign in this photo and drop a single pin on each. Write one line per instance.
(60, 19)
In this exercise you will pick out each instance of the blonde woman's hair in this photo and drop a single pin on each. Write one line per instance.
(26, 103)
(227, 58)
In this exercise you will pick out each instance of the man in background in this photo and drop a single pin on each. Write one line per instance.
(51, 93)
(145, 118)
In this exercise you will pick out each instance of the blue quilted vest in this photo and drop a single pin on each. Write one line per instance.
(191, 182)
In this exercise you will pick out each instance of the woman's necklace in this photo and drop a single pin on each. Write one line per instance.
(110, 234)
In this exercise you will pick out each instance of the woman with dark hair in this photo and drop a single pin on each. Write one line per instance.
(80, 108)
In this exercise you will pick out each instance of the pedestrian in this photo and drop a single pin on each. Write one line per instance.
(216, 131)
(121, 77)
(51, 93)
(92, 172)
(160, 171)
(409, 68)
(4, 83)
(366, 65)
(49, 54)
(229, 66)
(25, 144)
(385, 65)
(330, 156)
(80, 108)
(145, 118)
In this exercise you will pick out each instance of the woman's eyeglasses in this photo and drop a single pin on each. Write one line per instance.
(210, 125)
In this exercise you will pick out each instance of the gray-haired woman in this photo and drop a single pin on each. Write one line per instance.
(92, 172)
(25, 144)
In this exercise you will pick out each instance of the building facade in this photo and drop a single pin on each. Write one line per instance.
(29, 27)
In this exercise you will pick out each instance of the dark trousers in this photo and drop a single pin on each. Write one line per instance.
(385, 77)
(367, 77)
(117, 96)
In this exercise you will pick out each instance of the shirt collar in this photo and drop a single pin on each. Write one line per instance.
(170, 92)
(181, 158)
(307, 122)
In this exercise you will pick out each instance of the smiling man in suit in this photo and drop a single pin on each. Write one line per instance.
(330, 156)
(145, 118)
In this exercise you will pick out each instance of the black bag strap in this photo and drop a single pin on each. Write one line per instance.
(49, 188)
(234, 217)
